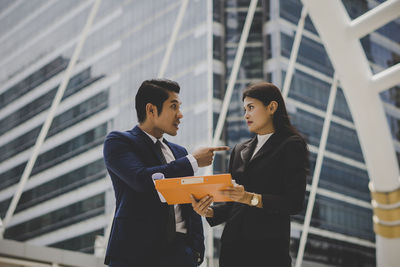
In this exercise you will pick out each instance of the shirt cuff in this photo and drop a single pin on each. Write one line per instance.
(193, 161)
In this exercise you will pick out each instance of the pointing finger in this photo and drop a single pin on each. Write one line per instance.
(219, 148)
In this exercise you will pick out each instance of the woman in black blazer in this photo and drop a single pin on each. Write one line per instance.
(270, 171)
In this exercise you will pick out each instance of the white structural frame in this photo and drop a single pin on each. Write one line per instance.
(172, 39)
(234, 72)
(294, 53)
(46, 126)
(209, 233)
(25, 263)
(340, 36)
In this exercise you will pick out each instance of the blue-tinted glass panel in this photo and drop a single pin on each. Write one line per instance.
(58, 154)
(234, 26)
(83, 243)
(267, 47)
(311, 54)
(68, 118)
(237, 132)
(355, 8)
(341, 217)
(239, 3)
(251, 66)
(266, 10)
(291, 11)
(341, 109)
(333, 252)
(346, 179)
(218, 10)
(392, 96)
(220, 164)
(378, 54)
(218, 86)
(235, 108)
(77, 83)
(344, 141)
(394, 125)
(391, 30)
(58, 186)
(33, 80)
(218, 47)
(308, 89)
(52, 221)
(309, 125)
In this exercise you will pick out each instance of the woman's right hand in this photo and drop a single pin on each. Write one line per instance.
(202, 206)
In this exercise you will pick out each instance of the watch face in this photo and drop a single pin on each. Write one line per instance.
(254, 201)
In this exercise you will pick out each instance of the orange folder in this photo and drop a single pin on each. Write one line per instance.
(178, 190)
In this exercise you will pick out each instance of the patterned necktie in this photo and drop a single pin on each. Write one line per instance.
(171, 224)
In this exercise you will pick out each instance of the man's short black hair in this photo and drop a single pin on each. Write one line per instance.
(153, 91)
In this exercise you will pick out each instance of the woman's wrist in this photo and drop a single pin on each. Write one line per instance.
(246, 199)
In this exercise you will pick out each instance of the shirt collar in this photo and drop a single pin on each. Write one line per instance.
(261, 139)
(153, 138)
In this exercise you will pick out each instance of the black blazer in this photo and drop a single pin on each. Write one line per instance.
(277, 172)
(139, 226)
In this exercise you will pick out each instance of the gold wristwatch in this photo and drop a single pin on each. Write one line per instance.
(254, 200)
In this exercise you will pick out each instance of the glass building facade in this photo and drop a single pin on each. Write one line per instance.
(68, 199)
(341, 232)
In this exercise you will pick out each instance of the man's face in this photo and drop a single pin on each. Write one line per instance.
(170, 116)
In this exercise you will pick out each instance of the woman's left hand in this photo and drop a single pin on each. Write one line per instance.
(236, 193)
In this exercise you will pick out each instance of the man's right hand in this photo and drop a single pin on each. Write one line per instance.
(205, 156)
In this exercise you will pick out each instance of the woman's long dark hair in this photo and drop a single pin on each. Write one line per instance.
(267, 92)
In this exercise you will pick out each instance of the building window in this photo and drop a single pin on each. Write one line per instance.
(60, 218)
(35, 79)
(218, 47)
(340, 217)
(311, 53)
(218, 10)
(70, 117)
(77, 83)
(290, 10)
(334, 252)
(83, 243)
(69, 149)
(218, 86)
(58, 186)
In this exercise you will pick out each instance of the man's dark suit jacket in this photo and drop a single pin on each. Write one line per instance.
(139, 227)
(277, 172)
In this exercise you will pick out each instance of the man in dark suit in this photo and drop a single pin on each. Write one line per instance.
(145, 231)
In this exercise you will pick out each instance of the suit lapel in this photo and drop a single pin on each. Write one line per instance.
(267, 147)
(147, 142)
(248, 150)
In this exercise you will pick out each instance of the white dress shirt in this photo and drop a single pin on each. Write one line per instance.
(261, 140)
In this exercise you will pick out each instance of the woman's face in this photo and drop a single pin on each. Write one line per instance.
(258, 116)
